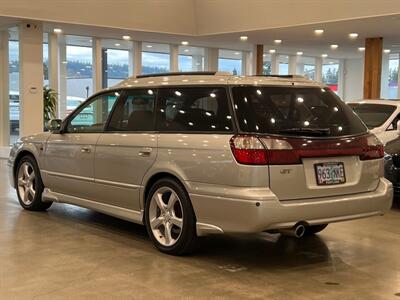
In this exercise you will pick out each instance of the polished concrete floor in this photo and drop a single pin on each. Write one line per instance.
(74, 253)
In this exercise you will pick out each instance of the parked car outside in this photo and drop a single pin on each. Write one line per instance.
(381, 117)
(189, 155)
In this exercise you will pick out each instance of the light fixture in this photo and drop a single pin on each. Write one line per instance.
(126, 37)
(361, 49)
(353, 35)
(186, 50)
(324, 55)
(278, 41)
(185, 43)
(299, 53)
(149, 46)
(243, 38)
(272, 51)
(117, 44)
(318, 31)
(387, 51)
(334, 46)
(57, 30)
(237, 53)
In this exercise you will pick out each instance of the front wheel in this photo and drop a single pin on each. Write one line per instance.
(29, 185)
(169, 217)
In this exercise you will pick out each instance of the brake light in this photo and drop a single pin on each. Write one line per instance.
(266, 150)
(248, 150)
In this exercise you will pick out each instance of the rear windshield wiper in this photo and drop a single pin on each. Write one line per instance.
(306, 130)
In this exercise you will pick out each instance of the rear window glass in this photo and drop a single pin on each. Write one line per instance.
(294, 111)
(373, 115)
(200, 109)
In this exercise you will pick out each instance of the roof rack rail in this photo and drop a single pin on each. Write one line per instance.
(281, 76)
(176, 74)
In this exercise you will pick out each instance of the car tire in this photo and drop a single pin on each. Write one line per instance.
(169, 217)
(29, 185)
(311, 230)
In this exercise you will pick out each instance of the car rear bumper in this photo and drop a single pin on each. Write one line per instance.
(218, 210)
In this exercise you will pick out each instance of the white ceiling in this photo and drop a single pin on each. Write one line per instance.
(296, 38)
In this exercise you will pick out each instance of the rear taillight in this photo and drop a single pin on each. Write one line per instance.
(266, 150)
(248, 150)
(374, 148)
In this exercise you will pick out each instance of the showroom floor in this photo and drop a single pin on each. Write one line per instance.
(74, 253)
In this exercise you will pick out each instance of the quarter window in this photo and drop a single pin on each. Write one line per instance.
(93, 115)
(135, 112)
(194, 109)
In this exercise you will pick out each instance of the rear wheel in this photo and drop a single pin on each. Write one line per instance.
(169, 217)
(310, 230)
(29, 185)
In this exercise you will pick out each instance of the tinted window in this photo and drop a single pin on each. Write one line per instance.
(134, 112)
(92, 116)
(194, 109)
(294, 111)
(373, 115)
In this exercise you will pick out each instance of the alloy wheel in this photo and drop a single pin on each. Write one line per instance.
(26, 183)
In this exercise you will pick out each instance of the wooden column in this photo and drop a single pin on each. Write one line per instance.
(373, 68)
(259, 59)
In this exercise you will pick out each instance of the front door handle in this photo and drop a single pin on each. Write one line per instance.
(145, 151)
(86, 149)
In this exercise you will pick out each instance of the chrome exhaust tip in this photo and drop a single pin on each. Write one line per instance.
(297, 231)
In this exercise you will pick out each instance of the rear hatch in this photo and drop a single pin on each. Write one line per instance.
(309, 141)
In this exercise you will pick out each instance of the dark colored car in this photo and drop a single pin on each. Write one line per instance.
(392, 164)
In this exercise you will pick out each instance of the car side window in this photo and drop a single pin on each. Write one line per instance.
(202, 109)
(393, 125)
(93, 115)
(134, 111)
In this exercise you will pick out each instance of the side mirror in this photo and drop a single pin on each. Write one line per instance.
(54, 125)
(398, 127)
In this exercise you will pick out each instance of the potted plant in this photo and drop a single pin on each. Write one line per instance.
(49, 104)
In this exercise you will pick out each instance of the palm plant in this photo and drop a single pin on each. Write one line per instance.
(49, 103)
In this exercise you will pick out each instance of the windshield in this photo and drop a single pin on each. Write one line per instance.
(373, 115)
(294, 111)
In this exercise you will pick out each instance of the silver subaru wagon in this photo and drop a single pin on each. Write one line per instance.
(208, 153)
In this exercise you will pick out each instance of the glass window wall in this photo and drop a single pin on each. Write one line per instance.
(191, 59)
(330, 73)
(13, 65)
(283, 64)
(393, 85)
(115, 55)
(155, 58)
(230, 61)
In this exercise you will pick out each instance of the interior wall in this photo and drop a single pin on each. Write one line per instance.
(164, 16)
(221, 16)
(353, 79)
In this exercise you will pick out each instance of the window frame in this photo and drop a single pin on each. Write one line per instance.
(229, 103)
(121, 101)
(70, 117)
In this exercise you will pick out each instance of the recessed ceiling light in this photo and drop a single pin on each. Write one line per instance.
(185, 43)
(386, 51)
(186, 50)
(278, 41)
(361, 49)
(353, 35)
(272, 51)
(149, 46)
(117, 44)
(318, 31)
(334, 47)
(237, 53)
(264, 55)
(126, 37)
(57, 30)
(299, 53)
(243, 38)
(324, 55)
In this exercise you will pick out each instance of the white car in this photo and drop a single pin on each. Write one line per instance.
(382, 117)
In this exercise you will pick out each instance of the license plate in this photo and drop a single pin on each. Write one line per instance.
(330, 173)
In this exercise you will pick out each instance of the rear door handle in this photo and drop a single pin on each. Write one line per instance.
(145, 151)
(86, 149)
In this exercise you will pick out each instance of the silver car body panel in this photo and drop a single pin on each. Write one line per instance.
(109, 172)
